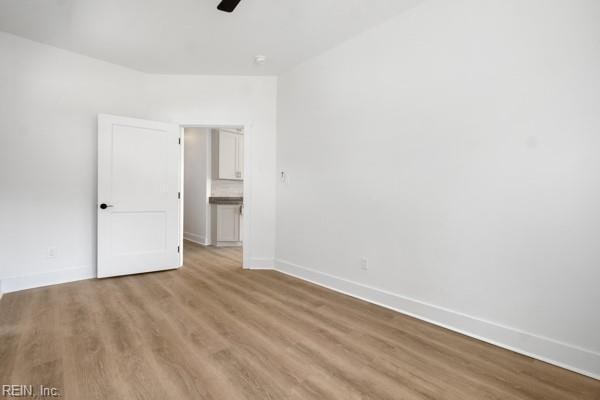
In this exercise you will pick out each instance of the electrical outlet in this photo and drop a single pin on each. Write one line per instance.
(52, 252)
(364, 263)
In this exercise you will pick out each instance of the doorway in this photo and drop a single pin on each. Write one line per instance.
(213, 187)
(141, 195)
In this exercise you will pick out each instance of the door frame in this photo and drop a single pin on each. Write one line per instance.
(246, 129)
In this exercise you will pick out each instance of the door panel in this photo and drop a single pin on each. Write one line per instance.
(140, 166)
(138, 233)
(139, 181)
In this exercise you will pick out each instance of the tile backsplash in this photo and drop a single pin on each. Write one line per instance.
(221, 187)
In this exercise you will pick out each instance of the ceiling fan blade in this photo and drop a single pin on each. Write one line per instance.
(228, 5)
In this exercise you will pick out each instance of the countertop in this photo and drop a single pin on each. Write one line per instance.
(225, 200)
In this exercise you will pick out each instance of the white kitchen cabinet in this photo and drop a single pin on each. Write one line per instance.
(226, 222)
(229, 152)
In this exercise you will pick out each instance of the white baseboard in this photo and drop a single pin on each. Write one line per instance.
(227, 244)
(583, 361)
(198, 239)
(259, 263)
(16, 283)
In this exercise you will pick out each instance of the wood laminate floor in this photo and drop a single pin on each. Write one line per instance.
(213, 331)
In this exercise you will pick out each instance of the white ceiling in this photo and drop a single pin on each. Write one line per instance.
(192, 36)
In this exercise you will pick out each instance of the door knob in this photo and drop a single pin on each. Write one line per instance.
(104, 206)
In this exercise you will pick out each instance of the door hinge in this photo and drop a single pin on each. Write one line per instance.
(178, 195)
(179, 140)
(178, 249)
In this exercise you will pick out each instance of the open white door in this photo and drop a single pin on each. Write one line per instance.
(138, 196)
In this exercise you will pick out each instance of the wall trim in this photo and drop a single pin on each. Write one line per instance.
(259, 263)
(16, 283)
(564, 355)
(192, 237)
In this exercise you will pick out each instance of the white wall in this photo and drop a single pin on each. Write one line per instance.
(196, 184)
(48, 150)
(48, 155)
(457, 147)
